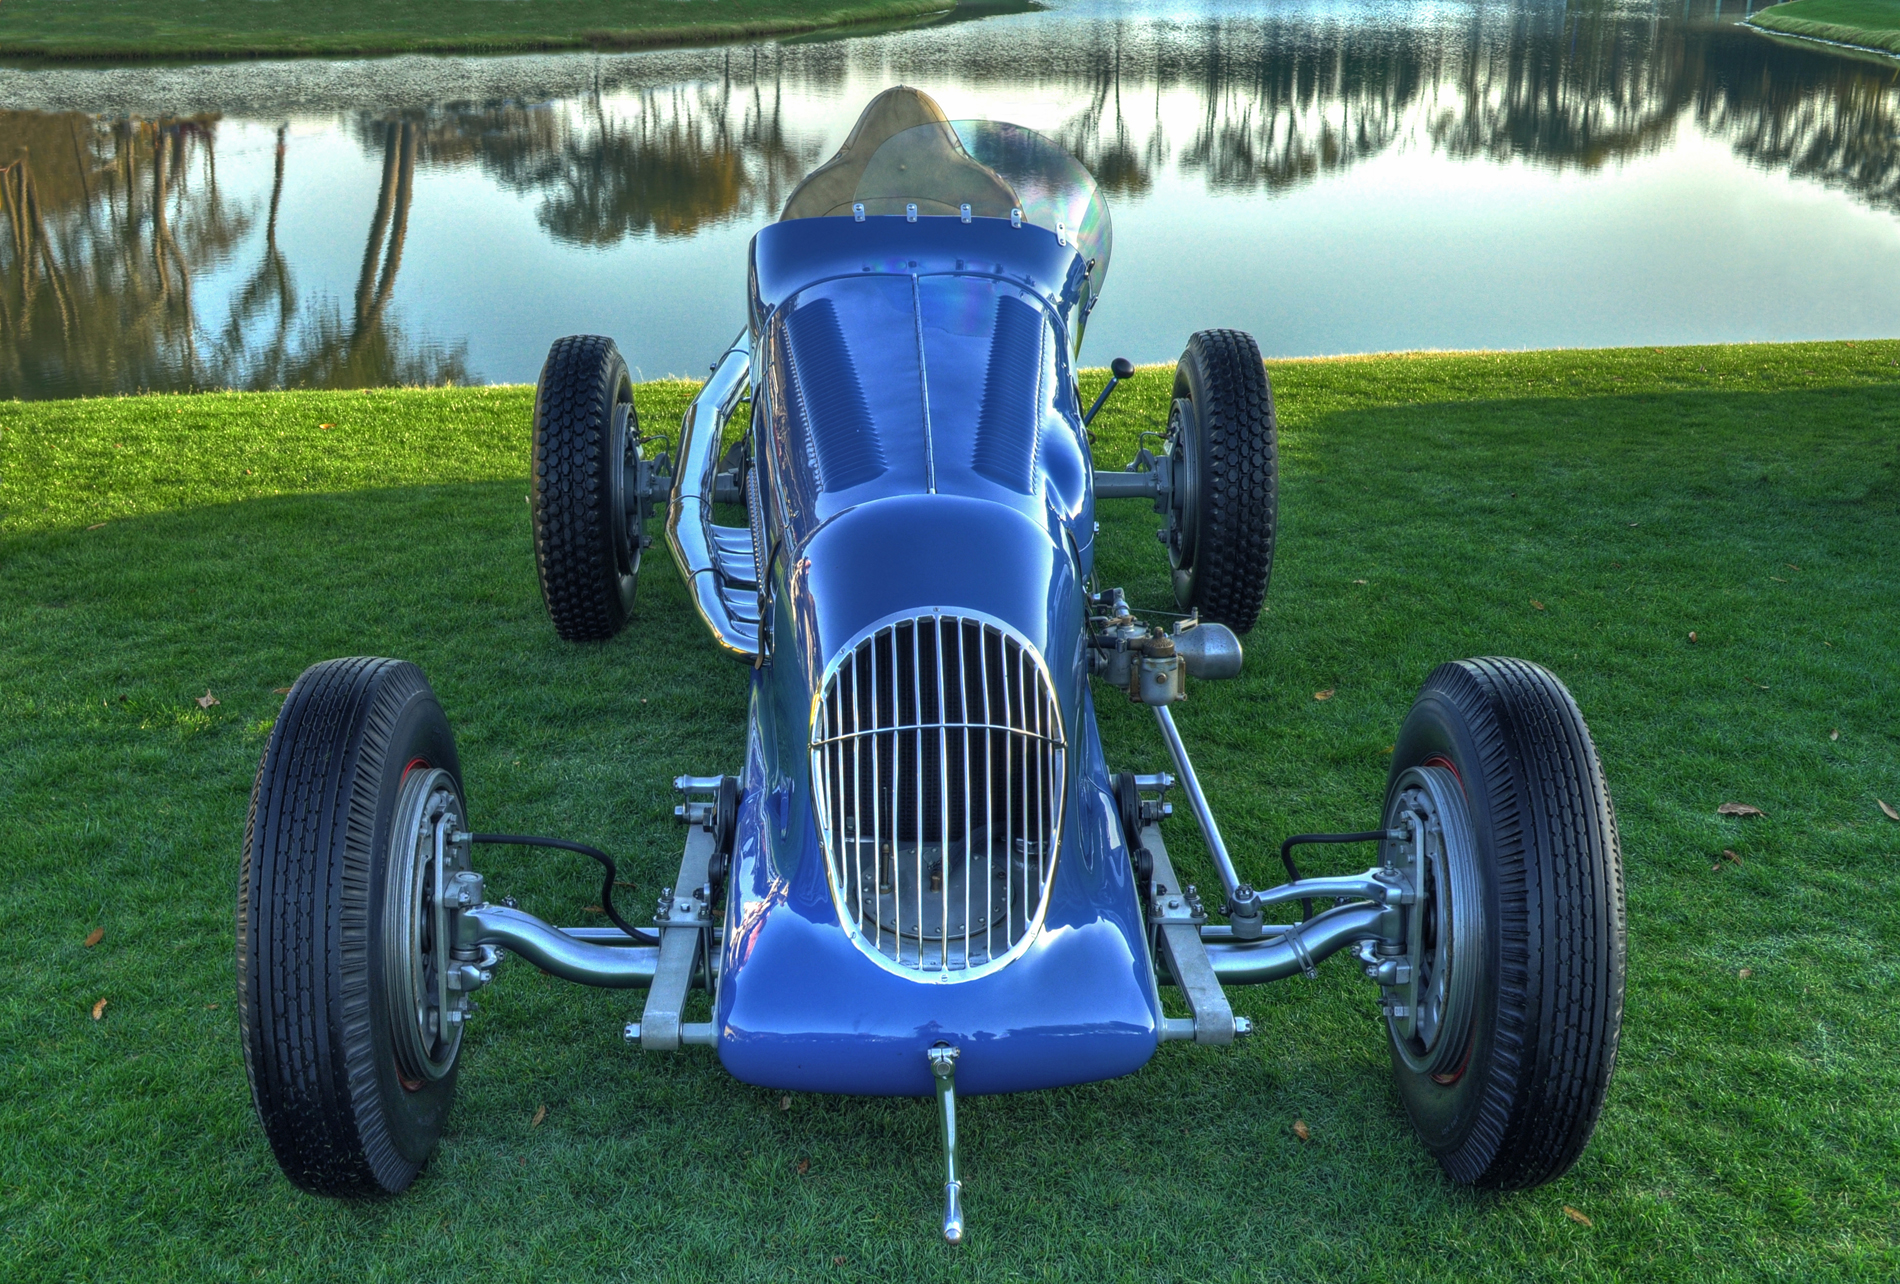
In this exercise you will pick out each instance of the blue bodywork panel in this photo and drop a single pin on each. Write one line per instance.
(919, 448)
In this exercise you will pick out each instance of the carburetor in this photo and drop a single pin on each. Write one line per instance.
(1150, 663)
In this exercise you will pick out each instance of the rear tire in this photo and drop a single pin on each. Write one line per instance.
(587, 543)
(1224, 463)
(1545, 1005)
(352, 1092)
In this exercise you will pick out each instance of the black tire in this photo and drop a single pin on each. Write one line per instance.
(345, 1112)
(1516, 1109)
(586, 441)
(1224, 465)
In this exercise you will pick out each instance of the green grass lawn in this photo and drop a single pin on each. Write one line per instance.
(253, 28)
(1587, 510)
(1874, 24)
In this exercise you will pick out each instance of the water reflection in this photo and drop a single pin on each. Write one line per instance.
(111, 225)
(666, 164)
(126, 264)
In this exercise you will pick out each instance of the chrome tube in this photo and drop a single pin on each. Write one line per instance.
(615, 967)
(1197, 800)
(1297, 949)
(688, 516)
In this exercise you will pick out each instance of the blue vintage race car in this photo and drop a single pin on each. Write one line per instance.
(926, 878)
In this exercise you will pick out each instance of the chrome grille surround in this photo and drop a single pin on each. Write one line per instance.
(939, 770)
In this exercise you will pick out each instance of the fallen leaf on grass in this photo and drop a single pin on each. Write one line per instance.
(1763, 685)
(280, 690)
(1358, 581)
(326, 425)
(99, 1008)
(1692, 635)
(206, 700)
(1327, 694)
(1745, 973)
(1739, 809)
(1891, 813)
(1791, 566)
(1537, 604)
(1834, 734)
(540, 1113)
(1633, 525)
(804, 1166)
(837, 1261)
(1577, 1217)
(592, 909)
(95, 936)
(785, 1102)
(95, 526)
(1777, 579)
(1728, 853)
(1390, 748)
(1301, 1131)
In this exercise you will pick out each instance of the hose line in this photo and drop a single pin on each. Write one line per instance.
(606, 884)
(1298, 840)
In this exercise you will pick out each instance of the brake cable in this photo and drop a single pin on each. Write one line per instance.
(606, 885)
(1298, 840)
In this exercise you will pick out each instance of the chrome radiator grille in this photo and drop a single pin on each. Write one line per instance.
(937, 757)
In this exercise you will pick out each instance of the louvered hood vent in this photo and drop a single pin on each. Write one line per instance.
(938, 761)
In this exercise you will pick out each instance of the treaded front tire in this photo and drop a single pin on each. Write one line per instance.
(1225, 467)
(320, 1031)
(1518, 1108)
(586, 440)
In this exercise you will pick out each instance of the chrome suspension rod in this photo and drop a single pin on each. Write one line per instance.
(1298, 948)
(616, 967)
(1198, 801)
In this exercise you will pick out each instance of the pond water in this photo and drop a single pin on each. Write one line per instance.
(1332, 175)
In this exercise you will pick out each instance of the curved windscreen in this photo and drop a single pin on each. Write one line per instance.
(994, 168)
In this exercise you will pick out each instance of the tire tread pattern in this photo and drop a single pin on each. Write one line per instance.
(1240, 494)
(303, 928)
(571, 492)
(1562, 917)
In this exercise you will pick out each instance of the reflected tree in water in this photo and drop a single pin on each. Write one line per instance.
(108, 224)
(110, 228)
(665, 163)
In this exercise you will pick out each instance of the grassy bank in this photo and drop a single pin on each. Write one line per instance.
(78, 29)
(1586, 510)
(1868, 24)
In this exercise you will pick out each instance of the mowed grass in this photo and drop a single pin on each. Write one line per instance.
(1587, 510)
(1874, 24)
(249, 29)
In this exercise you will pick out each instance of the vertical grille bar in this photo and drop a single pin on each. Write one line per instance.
(949, 786)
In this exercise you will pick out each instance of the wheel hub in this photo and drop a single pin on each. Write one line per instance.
(1430, 1009)
(1183, 472)
(425, 1013)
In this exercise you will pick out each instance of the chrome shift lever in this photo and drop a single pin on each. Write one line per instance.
(943, 1067)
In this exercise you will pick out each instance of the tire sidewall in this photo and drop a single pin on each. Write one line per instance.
(1446, 1115)
(419, 739)
(1189, 385)
(623, 543)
